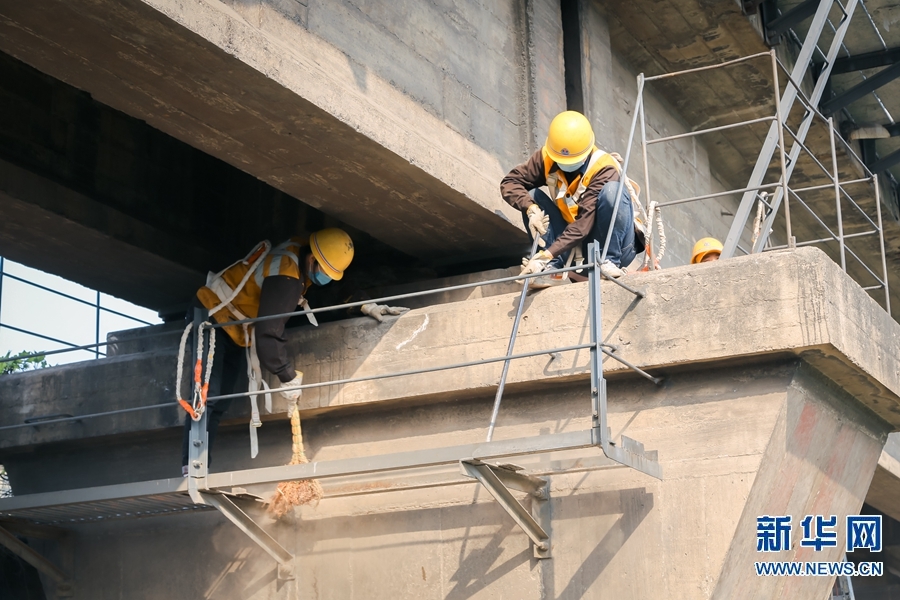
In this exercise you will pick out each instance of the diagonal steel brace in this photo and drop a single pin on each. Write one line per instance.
(253, 530)
(498, 480)
(37, 560)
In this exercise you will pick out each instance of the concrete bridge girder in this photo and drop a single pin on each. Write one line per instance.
(783, 409)
(264, 94)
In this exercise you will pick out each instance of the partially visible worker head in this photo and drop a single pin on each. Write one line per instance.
(332, 252)
(570, 140)
(706, 250)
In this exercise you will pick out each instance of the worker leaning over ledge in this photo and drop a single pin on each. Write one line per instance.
(267, 282)
(584, 184)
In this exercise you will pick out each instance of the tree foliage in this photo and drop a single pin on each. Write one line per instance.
(18, 362)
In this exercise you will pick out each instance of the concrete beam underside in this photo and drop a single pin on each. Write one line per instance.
(264, 94)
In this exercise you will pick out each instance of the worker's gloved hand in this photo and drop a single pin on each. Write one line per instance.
(377, 311)
(536, 263)
(293, 395)
(538, 221)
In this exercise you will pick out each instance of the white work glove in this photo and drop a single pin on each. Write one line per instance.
(377, 311)
(537, 263)
(538, 221)
(293, 395)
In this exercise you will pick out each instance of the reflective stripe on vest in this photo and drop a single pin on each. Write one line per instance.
(281, 260)
(566, 194)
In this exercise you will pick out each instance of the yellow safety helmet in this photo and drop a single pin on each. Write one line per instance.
(570, 138)
(704, 247)
(333, 250)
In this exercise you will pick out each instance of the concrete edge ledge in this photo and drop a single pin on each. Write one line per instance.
(750, 308)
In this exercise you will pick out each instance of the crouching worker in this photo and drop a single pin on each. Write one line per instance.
(584, 185)
(269, 281)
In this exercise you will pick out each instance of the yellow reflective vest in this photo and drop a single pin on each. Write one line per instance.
(283, 259)
(566, 193)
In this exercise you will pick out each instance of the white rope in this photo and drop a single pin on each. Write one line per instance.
(757, 222)
(654, 214)
(199, 398)
(662, 236)
(211, 355)
(240, 286)
(179, 369)
(648, 235)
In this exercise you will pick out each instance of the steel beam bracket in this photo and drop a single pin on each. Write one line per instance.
(233, 513)
(64, 584)
(498, 480)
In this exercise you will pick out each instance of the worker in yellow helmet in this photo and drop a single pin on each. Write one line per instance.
(269, 281)
(706, 250)
(584, 185)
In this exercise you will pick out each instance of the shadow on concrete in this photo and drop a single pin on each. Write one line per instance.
(635, 504)
(477, 568)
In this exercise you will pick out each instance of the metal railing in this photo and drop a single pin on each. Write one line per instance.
(206, 326)
(71, 347)
(773, 194)
(212, 489)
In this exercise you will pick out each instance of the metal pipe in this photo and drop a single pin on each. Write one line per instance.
(598, 384)
(784, 176)
(837, 194)
(822, 240)
(37, 335)
(623, 176)
(509, 349)
(88, 416)
(814, 215)
(718, 194)
(646, 159)
(825, 186)
(97, 327)
(785, 104)
(384, 299)
(638, 370)
(462, 365)
(849, 149)
(887, 293)
(858, 207)
(809, 152)
(707, 68)
(802, 97)
(75, 348)
(636, 292)
(710, 130)
(75, 298)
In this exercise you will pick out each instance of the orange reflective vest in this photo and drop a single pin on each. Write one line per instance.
(566, 193)
(236, 290)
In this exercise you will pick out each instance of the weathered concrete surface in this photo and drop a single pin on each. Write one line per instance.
(727, 439)
(781, 388)
(791, 302)
(396, 114)
(446, 102)
(885, 488)
(775, 305)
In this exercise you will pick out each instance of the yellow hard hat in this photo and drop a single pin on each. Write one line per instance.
(570, 138)
(704, 247)
(333, 250)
